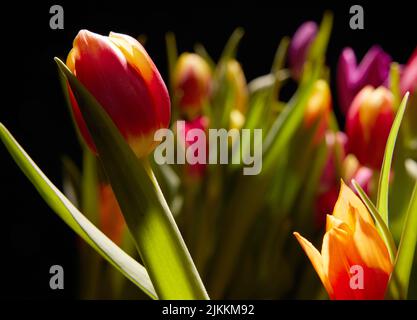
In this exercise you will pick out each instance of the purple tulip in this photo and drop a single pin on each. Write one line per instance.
(299, 46)
(352, 77)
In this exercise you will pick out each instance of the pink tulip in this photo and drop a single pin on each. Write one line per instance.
(368, 124)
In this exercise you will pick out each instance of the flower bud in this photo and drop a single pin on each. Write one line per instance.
(192, 83)
(195, 170)
(368, 124)
(351, 241)
(328, 188)
(409, 75)
(118, 72)
(237, 82)
(351, 78)
(111, 218)
(299, 47)
(318, 109)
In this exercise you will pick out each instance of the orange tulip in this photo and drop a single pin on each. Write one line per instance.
(111, 218)
(354, 262)
(123, 78)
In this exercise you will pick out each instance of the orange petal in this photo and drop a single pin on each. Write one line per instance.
(370, 246)
(341, 209)
(336, 253)
(316, 260)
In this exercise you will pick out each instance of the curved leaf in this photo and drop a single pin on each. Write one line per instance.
(143, 205)
(383, 187)
(133, 270)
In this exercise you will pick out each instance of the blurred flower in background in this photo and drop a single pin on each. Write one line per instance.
(299, 47)
(368, 124)
(192, 84)
(352, 77)
(409, 75)
(111, 218)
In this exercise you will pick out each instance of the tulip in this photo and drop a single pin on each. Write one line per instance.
(238, 86)
(351, 78)
(192, 83)
(196, 170)
(318, 109)
(111, 218)
(299, 47)
(118, 72)
(354, 262)
(368, 124)
(409, 75)
(329, 181)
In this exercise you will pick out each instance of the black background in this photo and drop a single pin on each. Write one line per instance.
(32, 237)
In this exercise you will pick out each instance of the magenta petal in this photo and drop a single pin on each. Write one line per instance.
(299, 46)
(351, 77)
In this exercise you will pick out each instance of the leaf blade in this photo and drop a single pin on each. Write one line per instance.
(400, 278)
(75, 219)
(383, 186)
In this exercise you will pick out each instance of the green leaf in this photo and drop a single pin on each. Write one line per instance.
(143, 205)
(380, 223)
(287, 123)
(383, 187)
(202, 52)
(400, 278)
(229, 51)
(75, 219)
(394, 79)
(319, 46)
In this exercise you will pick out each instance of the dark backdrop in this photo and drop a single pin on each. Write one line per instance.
(32, 237)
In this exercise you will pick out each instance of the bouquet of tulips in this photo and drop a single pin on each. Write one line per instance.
(211, 186)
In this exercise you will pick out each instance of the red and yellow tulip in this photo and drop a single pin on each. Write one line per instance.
(119, 73)
(192, 83)
(368, 124)
(351, 243)
(318, 109)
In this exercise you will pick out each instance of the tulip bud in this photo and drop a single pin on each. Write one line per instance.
(318, 109)
(299, 47)
(118, 72)
(351, 78)
(196, 170)
(330, 178)
(237, 81)
(111, 218)
(409, 75)
(192, 83)
(352, 246)
(368, 124)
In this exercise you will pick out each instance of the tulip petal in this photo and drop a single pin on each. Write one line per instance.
(137, 108)
(139, 59)
(134, 53)
(316, 260)
(346, 199)
(370, 245)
